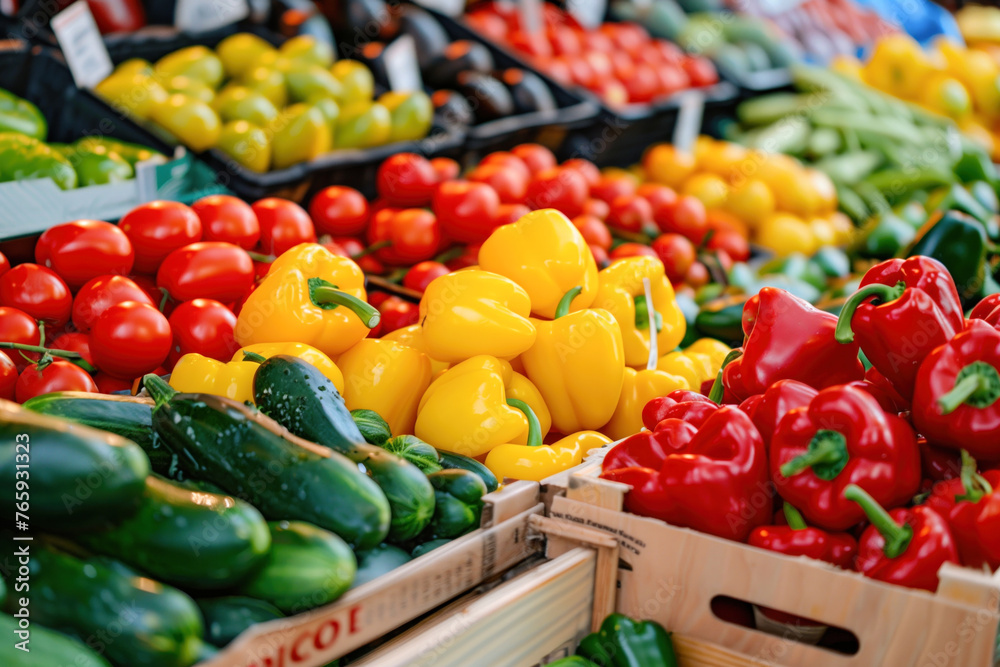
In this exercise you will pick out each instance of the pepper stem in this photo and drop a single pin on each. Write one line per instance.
(978, 384)
(827, 455)
(794, 517)
(654, 355)
(534, 427)
(883, 293)
(567, 298)
(158, 389)
(974, 484)
(261, 257)
(325, 295)
(253, 356)
(897, 538)
(719, 389)
(74, 357)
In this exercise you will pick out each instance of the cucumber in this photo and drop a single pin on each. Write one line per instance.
(227, 617)
(416, 451)
(80, 477)
(458, 503)
(297, 395)
(307, 567)
(768, 109)
(426, 547)
(128, 416)
(372, 427)
(250, 456)
(378, 561)
(47, 648)
(156, 625)
(186, 538)
(452, 460)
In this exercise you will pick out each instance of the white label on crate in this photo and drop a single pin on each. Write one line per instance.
(531, 15)
(590, 13)
(689, 120)
(82, 45)
(204, 15)
(452, 8)
(401, 65)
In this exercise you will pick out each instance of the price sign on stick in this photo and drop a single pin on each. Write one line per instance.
(82, 45)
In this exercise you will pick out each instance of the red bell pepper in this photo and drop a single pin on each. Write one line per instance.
(798, 539)
(788, 339)
(902, 311)
(780, 398)
(843, 437)
(873, 376)
(988, 309)
(750, 405)
(971, 504)
(664, 407)
(648, 449)
(905, 546)
(938, 463)
(956, 400)
(714, 486)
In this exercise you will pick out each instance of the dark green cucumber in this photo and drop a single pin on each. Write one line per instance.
(186, 538)
(128, 416)
(129, 620)
(47, 648)
(79, 477)
(458, 503)
(299, 397)
(378, 561)
(452, 460)
(416, 451)
(255, 459)
(227, 617)
(372, 427)
(307, 567)
(427, 547)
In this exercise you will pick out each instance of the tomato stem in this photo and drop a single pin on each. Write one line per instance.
(261, 257)
(164, 298)
(73, 357)
(375, 247)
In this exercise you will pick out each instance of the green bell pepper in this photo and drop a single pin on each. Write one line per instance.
(883, 237)
(959, 242)
(23, 158)
(832, 262)
(723, 319)
(625, 642)
(131, 153)
(458, 503)
(96, 164)
(21, 116)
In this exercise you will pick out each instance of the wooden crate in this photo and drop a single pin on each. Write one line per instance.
(671, 575)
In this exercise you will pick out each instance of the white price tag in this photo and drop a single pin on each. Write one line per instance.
(82, 45)
(205, 15)
(401, 65)
(689, 117)
(590, 13)
(453, 8)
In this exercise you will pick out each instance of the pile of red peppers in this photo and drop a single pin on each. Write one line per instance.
(889, 471)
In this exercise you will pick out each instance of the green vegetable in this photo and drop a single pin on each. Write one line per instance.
(378, 561)
(572, 661)
(416, 451)
(21, 116)
(249, 456)
(458, 503)
(48, 648)
(97, 165)
(307, 567)
(833, 262)
(426, 547)
(884, 236)
(452, 460)
(186, 538)
(132, 153)
(226, 618)
(373, 428)
(625, 642)
(298, 396)
(23, 158)
(723, 319)
(959, 242)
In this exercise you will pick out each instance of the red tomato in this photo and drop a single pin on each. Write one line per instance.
(697, 275)
(672, 79)
(600, 256)
(406, 180)
(597, 208)
(8, 377)
(158, 228)
(413, 234)
(677, 254)
(510, 184)
(587, 169)
(622, 65)
(420, 275)
(557, 70)
(632, 250)
(564, 40)
(101, 293)
(202, 326)
(562, 189)
(594, 231)
(466, 210)
(59, 375)
(611, 186)
(596, 41)
(643, 85)
(732, 243)
(687, 216)
(130, 339)
(669, 52)
(39, 292)
(630, 213)
(508, 160)
(657, 195)
(700, 70)
(208, 270)
(16, 326)
(74, 342)
(339, 210)
(148, 285)
(397, 313)
(468, 258)
(283, 225)
(509, 213)
(445, 168)
(227, 218)
(612, 92)
(535, 157)
(4, 264)
(580, 71)
(80, 250)
(354, 247)
(109, 384)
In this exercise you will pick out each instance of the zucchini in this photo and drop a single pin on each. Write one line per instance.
(227, 617)
(297, 395)
(128, 416)
(458, 503)
(452, 460)
(80, 477)
(159, 626)
(187, 538)
(372, 427)
(378, 561)
(48, 648)
(250, 456)
(307, 567)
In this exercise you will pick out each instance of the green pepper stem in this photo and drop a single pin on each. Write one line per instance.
(974, 485)
(73, 357)
(364, 310)
(253, 356)
(567, 298)
(719, 389)
(827, 456)
(884, 293)
(794, 517)
(897, 538)
(158, 389)
(261, 257)
(534, 426)
(978, 385)
(654, 352)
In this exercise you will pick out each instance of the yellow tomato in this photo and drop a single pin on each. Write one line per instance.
(667, 165)
(824, 231)
(724, 159)
(785, 234)
(133, 92)
(751, 201)
(192, 121)
(709, 188)
(898, 66)
(824, 189)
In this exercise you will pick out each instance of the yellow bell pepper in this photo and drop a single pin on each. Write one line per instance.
(546, 254)
(523, 389)
(196, 374)
(312, 296)
(621, 293)
(638, 389)
(466, 410)
(716, 351)
(536, 462)
(470, 313)
(413, 336)
(682, 365)
(578, 364)
(387, 377)
(301, 351)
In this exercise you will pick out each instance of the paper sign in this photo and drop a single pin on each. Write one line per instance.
(689, 117)
(401, 65)
(82, 45)
(453, 8)
(590, 13)
(205, 15)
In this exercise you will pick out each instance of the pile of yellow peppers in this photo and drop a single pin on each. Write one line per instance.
(533, 345)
